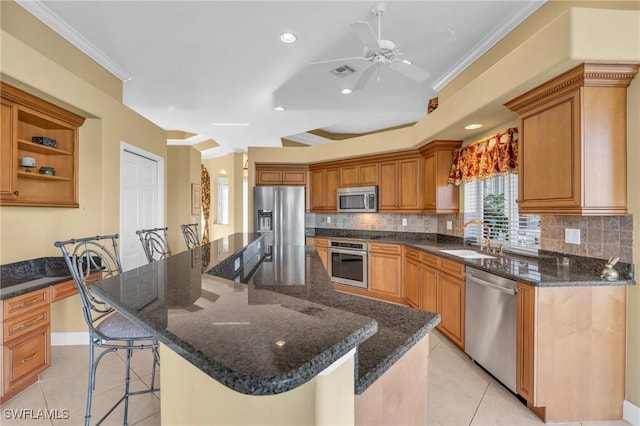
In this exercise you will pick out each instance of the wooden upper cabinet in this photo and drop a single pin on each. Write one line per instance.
(359, 175)
(281, 174)
(572, 142)
(24, 117)
(439, 196)
(324, 184)
(400, 184)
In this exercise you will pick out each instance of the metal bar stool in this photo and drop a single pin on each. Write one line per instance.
(107, 329)
(155, 243)
(191, 235)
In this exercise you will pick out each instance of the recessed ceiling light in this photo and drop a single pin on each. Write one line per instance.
(346, 91)
(279, 108)
(230, 124)
(288, 38)
(472, 126)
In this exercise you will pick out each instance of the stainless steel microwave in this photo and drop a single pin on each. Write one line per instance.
(359, 199)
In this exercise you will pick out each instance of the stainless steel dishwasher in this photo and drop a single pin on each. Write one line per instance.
(490, 324)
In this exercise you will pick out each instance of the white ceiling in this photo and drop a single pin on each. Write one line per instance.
(188, 64)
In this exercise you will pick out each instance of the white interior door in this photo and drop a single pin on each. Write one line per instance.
(141, 205)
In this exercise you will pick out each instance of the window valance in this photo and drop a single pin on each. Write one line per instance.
(488, 157)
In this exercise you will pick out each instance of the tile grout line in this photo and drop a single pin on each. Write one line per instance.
(479, 403)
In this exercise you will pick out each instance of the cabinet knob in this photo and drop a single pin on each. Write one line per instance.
(16, 192)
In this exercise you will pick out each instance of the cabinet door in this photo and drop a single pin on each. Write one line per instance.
(411, 280)
(348, 176)
(269, 177)
(409, 184)
(550, 146)
(323, 252)
(429, 192)
(429, 290)
(331, 186)
(294, 177)
(317, 189)
(8, 157)
(452, 308)
(524, 340)
(368, 174)
(385, 273)
(388, 191)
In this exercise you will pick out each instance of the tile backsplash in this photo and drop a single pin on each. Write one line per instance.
(600, 236)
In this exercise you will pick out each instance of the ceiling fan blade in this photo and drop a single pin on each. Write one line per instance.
(352, 58)
(439, 39)
(366, 34)
(410, 71)
(365, 77)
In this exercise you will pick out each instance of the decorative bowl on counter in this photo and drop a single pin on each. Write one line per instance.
(47, 171)
(43, 140)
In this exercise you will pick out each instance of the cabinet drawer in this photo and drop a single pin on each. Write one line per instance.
(24, 324)
(20, 305)
(385, 248)
(429, 259)
(63, 290)
(452, 268)
(321, 242)
(412, 253)
(26, 357)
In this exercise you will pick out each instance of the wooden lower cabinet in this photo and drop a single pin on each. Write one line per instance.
(385, 271)
(322, 246)
(26, 345)
(571, 351)
(436, 285)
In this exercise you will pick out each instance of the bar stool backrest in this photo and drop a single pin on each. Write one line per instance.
(191, 235)
(86, 256)
(155, 243)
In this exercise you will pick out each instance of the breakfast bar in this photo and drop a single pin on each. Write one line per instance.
(241, 323)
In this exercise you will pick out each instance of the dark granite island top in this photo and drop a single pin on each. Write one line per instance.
(268, 336)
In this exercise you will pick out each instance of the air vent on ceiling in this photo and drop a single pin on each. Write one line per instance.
(343, 71)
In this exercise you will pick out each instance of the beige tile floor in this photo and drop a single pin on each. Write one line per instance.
(460, 393)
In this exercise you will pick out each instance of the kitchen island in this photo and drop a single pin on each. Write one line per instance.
(284, 348)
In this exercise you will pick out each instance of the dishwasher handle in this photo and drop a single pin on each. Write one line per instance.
(509, 290)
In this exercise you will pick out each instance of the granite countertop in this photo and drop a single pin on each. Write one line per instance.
(274, 333)
(297, 271)
(540, 271)
(22, 277)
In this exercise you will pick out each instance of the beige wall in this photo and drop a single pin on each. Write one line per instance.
(183, 169)
(232, 165)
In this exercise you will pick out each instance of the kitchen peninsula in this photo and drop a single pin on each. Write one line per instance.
(284, 348)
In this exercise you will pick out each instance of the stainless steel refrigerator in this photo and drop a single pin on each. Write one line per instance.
(279, 212)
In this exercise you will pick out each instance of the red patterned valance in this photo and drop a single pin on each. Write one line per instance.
(491, 156)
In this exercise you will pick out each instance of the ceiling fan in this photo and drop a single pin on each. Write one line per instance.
(380, 52)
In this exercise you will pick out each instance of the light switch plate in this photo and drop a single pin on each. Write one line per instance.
(449, 225)
(328, 219)
(404, 221)
(572, 236)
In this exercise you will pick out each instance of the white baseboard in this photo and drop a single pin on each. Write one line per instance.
(69, 338)
(631, 413)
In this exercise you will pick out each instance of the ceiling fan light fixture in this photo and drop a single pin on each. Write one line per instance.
(288, 38)
(280, 108)
(472, 126)
(346, 91)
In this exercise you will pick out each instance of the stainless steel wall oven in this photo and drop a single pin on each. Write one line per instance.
(348, 263)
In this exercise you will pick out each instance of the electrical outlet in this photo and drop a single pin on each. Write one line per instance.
(572, 236)
(449, 225)
(404, 221)
(328, 219)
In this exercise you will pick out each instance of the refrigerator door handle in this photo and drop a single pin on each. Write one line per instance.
(281, 218)
(275, 227)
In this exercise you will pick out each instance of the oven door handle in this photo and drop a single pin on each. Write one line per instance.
(362, 253)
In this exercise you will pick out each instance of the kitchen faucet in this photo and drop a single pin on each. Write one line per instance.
(487, 241)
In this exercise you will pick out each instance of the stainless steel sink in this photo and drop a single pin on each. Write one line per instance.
(468, 254)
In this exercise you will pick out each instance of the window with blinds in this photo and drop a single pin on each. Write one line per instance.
(493, 201)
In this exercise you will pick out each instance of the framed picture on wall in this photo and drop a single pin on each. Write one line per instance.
(196, 199)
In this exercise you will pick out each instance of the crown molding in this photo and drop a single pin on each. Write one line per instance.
(57, 24)
(487, 43)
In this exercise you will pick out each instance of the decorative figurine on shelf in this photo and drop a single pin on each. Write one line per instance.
(28, 163)
(608, 273)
